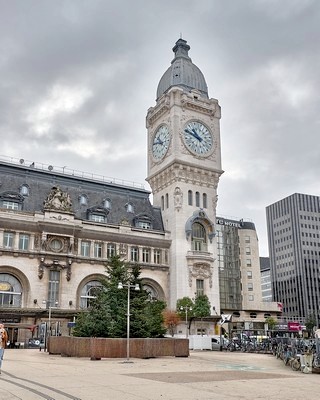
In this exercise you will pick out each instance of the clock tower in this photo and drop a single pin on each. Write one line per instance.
(184, 166)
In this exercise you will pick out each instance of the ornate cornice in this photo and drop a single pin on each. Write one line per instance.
(184, 173)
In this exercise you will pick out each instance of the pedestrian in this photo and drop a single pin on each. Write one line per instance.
(3, 342)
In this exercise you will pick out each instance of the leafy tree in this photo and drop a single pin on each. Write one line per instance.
(271, 323)
(185, 305)
(311, 322)
(107, 315)
(202, 307)
(171, 320)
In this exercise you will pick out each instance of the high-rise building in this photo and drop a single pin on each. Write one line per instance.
(266, 287)
(239, 275)
(294, 247)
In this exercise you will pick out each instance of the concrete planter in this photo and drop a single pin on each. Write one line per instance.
(97, 348)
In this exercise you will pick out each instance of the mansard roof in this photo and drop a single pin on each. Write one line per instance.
(41, 183)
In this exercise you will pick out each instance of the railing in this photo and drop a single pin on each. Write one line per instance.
(69, 172)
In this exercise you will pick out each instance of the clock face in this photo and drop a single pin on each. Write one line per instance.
(198, 138)
(161, 142)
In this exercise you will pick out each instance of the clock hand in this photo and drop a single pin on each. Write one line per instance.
(158, 142)
(196, 135)
(190, 133)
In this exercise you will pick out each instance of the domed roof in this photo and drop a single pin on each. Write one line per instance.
(182, 72)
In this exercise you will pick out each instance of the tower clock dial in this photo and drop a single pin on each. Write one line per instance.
(198, 138)
(161, 141)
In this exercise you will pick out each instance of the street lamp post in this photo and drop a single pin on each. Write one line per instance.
(137, 288)
(48, 331)
(186, 309)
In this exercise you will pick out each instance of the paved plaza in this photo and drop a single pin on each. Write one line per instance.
(32, 375)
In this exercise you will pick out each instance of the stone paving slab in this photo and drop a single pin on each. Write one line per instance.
(33, 375)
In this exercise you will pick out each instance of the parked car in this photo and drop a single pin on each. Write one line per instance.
(34, 343)
(215, 343)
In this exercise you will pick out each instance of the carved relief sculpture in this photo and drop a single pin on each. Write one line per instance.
(58, 200)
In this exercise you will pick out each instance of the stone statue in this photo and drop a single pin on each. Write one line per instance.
(58, 200)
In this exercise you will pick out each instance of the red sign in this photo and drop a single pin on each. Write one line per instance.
(294, 326)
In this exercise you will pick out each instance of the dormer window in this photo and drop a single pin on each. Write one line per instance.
(83, 200)
(144, 224)
(97, 214)
(97, 218)
(11, 201)
(143, 221)
(107, 204)
(24, 190)
(130, 208)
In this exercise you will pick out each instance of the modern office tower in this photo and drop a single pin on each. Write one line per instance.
(294, 247)
(266, 287)
(239, 275)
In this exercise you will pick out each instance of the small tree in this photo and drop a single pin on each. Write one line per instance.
(271, 322)
(202, 307)
(171, 320)
(107, 315)
(311, 322)
(185, 305)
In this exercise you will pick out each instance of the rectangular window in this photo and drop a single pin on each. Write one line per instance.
(54, 283)
(204, 200)
(144, 225)
(146, 255)
(98, 250)
(157, 256)
(111, 250)
(248, 251)
(251, 297)
(249, 274)
(85, 248)
(247, 239)
(8, 238)
(134, 254)
(250, 286)
(197, 199)
(24, 241)
(248, 262)
(199, 287)
(97, 218)
(10, 205)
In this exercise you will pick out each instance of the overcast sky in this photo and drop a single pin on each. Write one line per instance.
(77, 78)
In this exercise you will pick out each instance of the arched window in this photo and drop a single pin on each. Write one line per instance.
(107, 204)
(190, 197)
(199, 237)
(162, 203)
(204, 201)
(152, 292)
(167, 200)
(24, 190)
(130, 208)
(10, 291)
(197, 199)
(83, 200)
(88, 293)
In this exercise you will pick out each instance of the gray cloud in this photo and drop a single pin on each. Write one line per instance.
(77, 79)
